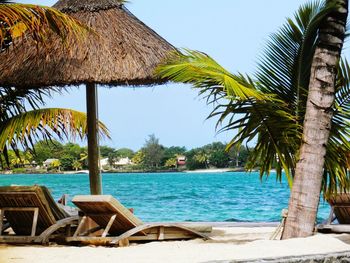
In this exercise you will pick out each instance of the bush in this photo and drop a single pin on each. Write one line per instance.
(19, 170)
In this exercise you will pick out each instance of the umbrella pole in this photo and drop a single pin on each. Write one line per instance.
(93, 151)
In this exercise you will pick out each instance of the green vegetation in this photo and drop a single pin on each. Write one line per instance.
(21, 127)
(153, 152)
(151, 157)
(36, 21)
(269, 107)
(296, 106)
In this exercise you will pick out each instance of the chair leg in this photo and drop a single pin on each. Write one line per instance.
(68, 230)
(123, 242)
(2, 212)
(81, 224)
(110, 223)
(35, 211)
(331, 216)
(161, 233)
(35, 221)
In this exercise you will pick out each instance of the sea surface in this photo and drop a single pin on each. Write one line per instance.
(229, 196)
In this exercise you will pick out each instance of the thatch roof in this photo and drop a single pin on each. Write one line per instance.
(73, 6)
(121, 51)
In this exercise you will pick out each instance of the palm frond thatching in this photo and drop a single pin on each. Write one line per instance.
(120, 50)
(74, 6)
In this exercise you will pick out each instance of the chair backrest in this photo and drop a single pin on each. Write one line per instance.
(341, 205)
(29, 197)
(100, 208)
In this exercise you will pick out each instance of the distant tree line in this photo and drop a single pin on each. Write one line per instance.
(152, 156)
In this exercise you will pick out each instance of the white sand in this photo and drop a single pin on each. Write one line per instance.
(227, 244)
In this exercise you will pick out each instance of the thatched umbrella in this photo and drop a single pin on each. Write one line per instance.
(120, 50)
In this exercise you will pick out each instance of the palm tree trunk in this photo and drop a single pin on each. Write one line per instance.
(304, 200)
(1, 162)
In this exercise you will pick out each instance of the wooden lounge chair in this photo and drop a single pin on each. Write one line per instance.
(32, 214)
(120, 226)
(340, 211)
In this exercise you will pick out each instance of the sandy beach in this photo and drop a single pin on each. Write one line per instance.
(228, 243)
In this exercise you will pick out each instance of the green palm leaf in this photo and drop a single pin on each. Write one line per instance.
(337, 159)
(205, 73)
(272, 115)
(19, 19)
(18, 126)
(32, 125)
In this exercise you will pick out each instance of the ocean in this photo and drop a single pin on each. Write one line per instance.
(216, 197)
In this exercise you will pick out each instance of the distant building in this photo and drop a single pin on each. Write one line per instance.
(181, 160)
(104, 162)
(120, 162)
(123, 161)
(48, 162)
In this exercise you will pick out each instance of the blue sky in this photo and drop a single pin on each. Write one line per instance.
(231, 31)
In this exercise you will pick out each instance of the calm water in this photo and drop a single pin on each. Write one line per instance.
(181, 196)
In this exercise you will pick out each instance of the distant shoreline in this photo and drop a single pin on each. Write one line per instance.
(211, 170)
(219, 170)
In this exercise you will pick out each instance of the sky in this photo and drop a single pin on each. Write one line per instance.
(233, 32)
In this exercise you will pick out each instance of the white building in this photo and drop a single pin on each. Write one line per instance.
(47, 163)
(104, 162)
(123, 161)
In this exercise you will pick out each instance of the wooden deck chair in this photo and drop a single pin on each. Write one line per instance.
(340, 211)
(120, 226)
(32, 214)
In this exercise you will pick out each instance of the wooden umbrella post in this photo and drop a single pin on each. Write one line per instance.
(93, 147)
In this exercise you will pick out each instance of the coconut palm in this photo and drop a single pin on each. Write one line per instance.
(36, 21)
(19, 126)
(77, 165)
(305, 194)
(19, 161)
(56, 165)
(202, 157)
(276, 124)
(272, 114)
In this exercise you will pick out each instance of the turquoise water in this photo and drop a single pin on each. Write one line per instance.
(181, 196)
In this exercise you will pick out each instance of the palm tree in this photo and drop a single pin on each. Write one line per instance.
(19, 161)
(56, 165)
(202, 157)
(305, 194)
(35, 21)
(77, 165)
(21, 126)
(273, 113)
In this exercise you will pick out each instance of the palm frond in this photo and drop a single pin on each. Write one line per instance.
(203, 72)
(274, 118)
(17, 20)
(284, 71)
(284, 68)
(337, 161)
(43, 123)
(13, 100)
(270, 124)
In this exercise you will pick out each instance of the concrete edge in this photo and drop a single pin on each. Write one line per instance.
(338, 257)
